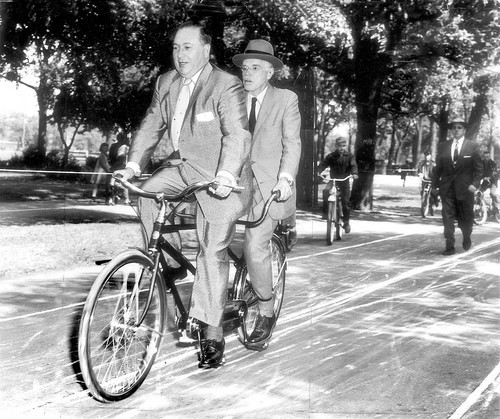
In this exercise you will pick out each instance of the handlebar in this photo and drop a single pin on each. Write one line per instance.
(190, 190)
(159, 196)
(328, 179)
(274, 196)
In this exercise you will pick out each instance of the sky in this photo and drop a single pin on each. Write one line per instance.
(17, 99)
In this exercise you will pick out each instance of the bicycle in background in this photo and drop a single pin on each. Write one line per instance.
(124, 318)
(335, 216)
(484, 205)
(429, 200)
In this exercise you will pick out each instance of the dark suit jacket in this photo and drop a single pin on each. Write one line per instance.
(214, 136)
(276, 146)
(467, 171)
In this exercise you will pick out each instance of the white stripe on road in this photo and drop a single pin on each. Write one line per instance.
(338, 249)
(476, 394)
(24, 316)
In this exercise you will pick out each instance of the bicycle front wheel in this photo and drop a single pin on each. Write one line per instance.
(330, 222)
(480, 210)
(424, 207)
(116, 352)
(243, 289)
(339, 221)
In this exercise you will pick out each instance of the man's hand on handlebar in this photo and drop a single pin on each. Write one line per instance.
(125, 174)
(284, 188)
(224, 186)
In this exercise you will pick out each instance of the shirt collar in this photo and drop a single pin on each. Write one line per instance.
(195, 77)
(260, 96)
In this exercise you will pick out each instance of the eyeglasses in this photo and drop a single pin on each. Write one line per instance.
(251, 69)
(457, 127)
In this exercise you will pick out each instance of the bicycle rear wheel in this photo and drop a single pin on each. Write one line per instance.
(115, 352)
(330, 222)
(243, 289)
(480, 210)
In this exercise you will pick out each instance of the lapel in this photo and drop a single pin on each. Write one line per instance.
(175, 90)
(265, 108)
(176, 87)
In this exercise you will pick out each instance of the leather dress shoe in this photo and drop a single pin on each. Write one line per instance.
(449, 252)
(211, 353)
(466, 243)
(263, 329)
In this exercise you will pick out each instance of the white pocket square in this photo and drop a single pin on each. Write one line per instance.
(205, 117)
(467, 157)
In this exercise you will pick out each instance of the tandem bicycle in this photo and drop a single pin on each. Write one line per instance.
(125, 314)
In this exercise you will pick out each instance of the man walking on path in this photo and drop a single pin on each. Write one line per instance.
(458, 172)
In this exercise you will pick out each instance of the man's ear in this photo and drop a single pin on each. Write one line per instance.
(206, 50)
(270, 73)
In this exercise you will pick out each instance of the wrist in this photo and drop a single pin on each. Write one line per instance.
(290, 181)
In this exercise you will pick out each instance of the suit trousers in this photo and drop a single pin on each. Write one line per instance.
(461, 210)
(258, 256)
(208, 298)
(171, 181)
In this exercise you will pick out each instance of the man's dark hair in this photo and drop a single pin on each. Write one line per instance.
(203, 24)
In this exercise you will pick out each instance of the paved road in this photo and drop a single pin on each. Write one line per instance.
(378, 325)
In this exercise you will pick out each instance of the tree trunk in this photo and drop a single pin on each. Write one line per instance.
(367, 105)
(443, 118)
(434, 137)
(480, 108)
(42, 119)
(370, 70)
(417, 150)
(392, 151)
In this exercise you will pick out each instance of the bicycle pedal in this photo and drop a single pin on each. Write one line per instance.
(258, 347)
(185, 339)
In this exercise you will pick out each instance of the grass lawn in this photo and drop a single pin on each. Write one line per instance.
(31, 249)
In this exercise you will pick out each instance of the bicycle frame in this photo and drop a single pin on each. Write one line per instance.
(157, 245)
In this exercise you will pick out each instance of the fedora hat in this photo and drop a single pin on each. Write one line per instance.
(457, 121)
(259, 49)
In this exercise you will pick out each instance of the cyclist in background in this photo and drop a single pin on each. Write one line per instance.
(342, 164)
(490, 177)
(425, 171)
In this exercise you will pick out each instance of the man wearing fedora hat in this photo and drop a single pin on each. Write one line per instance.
(458, 172)
(274, 121)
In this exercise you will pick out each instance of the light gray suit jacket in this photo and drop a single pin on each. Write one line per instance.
(214, 136)
(276, 146)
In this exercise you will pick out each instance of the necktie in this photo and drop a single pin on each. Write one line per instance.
(455, 153)
(252, 119)
(179, 113)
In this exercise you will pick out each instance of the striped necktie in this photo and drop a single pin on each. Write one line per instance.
(455, 153)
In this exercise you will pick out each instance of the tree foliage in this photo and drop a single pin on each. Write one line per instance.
(397, 63)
